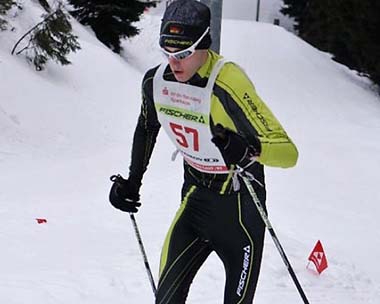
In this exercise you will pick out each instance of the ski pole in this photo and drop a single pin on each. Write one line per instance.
(264, 216)
(139, 240)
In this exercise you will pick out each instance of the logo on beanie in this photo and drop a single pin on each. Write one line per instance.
(179, 43)
(176, 30)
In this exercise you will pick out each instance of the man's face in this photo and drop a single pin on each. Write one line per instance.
(186, 68)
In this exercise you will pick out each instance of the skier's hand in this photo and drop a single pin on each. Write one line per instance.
(235, 148)
(124, 194)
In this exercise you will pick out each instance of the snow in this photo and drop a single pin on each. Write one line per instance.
(65, 130)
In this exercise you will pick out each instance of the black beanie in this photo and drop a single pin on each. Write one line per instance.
(183, 23)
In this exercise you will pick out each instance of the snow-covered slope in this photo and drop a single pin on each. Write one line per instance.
(64, 131)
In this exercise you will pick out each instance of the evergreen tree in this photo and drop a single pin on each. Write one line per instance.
(5, 5)
(348, 29)
(366, 40)
(45, 5)
(295, 9)
(50, 39)
(110, 20)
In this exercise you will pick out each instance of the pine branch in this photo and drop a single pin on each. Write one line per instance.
(32, 29)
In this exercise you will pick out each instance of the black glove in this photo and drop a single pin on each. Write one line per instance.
(235, 148)
(124, 194)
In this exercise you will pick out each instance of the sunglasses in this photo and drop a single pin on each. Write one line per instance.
(186, 53)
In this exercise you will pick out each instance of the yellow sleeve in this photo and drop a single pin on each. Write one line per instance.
(235, 104)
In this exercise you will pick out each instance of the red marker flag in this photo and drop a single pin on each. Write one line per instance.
(41, 220)
(318, 257)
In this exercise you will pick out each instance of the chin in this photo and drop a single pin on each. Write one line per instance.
(181, 78)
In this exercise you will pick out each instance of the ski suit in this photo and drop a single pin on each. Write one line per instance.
(215, 215)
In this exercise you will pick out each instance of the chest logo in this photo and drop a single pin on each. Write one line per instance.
(183, 114)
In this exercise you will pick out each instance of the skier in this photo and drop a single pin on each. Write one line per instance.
(210, 110)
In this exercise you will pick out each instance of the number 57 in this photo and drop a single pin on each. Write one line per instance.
(182, 133)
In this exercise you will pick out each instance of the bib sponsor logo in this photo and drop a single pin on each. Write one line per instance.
(206, 160)
(176, 97)
(244, 272)
(180, 114)
(206, 168)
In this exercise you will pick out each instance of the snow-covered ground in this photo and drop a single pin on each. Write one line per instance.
(64, 131)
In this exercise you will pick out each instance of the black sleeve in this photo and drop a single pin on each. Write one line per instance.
(146, 131)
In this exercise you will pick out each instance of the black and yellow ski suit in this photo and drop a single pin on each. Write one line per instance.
(212, 215)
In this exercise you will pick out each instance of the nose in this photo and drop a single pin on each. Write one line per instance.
(174, 64)
(173, 61)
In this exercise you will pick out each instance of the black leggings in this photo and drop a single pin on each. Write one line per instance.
(206, 221)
